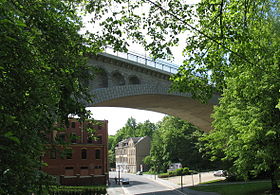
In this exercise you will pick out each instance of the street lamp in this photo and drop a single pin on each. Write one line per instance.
(119, 175)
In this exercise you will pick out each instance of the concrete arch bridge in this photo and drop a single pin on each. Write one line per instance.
(133, 81)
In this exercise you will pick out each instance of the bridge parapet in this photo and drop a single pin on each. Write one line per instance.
(146, 60)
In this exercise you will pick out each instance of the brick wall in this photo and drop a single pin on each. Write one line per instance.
(83, 156)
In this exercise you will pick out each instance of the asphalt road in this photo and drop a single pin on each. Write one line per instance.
(139, 184)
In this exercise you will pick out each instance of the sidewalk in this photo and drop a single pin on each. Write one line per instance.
(177, 187)
(114, 189)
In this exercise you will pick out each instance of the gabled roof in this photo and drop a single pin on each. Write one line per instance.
(134, 139)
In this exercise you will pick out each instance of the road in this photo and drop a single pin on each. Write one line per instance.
(139, 184)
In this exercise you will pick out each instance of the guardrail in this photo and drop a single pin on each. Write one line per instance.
(142, 59)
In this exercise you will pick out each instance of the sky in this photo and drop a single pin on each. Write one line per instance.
(117, 117)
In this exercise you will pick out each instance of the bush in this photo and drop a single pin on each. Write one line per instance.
(193, 172)
(177, 172)
(163, 175)
(79, 190)
(186, 171)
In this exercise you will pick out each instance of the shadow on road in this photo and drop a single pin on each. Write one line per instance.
(165, 192)
(131, 182)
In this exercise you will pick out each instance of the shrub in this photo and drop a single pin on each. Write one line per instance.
(193, 172)
(186, 171)
(81, 190)
(163, 175)
(177, 172)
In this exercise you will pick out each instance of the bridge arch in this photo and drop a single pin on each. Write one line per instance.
(101, 78)
(133, 80)
(138, 86)
(157, 99)
(117, 79)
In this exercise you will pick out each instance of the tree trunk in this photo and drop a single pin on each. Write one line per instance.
(274, 185)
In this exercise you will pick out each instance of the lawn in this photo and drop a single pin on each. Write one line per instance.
(251, 188)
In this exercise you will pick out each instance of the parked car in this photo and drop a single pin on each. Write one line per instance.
(220, 173)
(139, 173)
(125, 181)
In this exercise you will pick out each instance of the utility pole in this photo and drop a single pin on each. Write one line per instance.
(181, 182)
(192, 180)
(119, 175)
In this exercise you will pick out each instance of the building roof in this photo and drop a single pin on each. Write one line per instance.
(134, 139)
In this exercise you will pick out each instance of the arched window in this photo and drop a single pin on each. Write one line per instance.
(84, 154)
(117, 79)
(134, 80)
(97, 154)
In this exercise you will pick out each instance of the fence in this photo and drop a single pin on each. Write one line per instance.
(145, 60)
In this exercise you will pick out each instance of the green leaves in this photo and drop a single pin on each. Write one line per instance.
(42, 76)
(9, 135)
(176, 141)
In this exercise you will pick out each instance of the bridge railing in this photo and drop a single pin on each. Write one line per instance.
(142, 59)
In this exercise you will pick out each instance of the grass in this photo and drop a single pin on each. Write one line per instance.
(214, 181)
(252, 188)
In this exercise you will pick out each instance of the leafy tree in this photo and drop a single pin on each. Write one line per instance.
(175, 141)
(232, 49)
(239, 59)
(145, 129)
(131, 129)
(245, 69)
(134, 129)
(43, 76)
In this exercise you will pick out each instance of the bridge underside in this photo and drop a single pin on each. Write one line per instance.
(183, 107)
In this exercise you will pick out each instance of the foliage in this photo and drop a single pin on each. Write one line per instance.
(246, 123)
(233, 50)
(70, 190)
(175, 141)
(131, 129)
(177, 172)
(43, 75)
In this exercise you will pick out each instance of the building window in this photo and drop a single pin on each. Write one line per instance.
(99, 127)
(90, 140)
(69, 168)
(73, 125)
(68, 153)
(97, 154)
(73, 138)
(84, 167)
(99, 140)
(61, 137)
(98, 167)
(53, 154)
(84, 154)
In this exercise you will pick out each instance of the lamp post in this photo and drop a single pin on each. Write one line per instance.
(119, 174)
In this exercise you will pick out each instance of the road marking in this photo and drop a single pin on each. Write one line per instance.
(164, 184)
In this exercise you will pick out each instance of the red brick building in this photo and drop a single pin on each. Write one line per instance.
(85, 158)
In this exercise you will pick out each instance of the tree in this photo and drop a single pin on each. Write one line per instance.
(232, 49)
(241, 57)
(175, 141)
(146, 128)
(43, 74)
(131, 129)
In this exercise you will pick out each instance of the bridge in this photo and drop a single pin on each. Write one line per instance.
(133, 81)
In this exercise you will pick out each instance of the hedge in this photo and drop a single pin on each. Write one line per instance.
(177, 172)
(77, 190)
